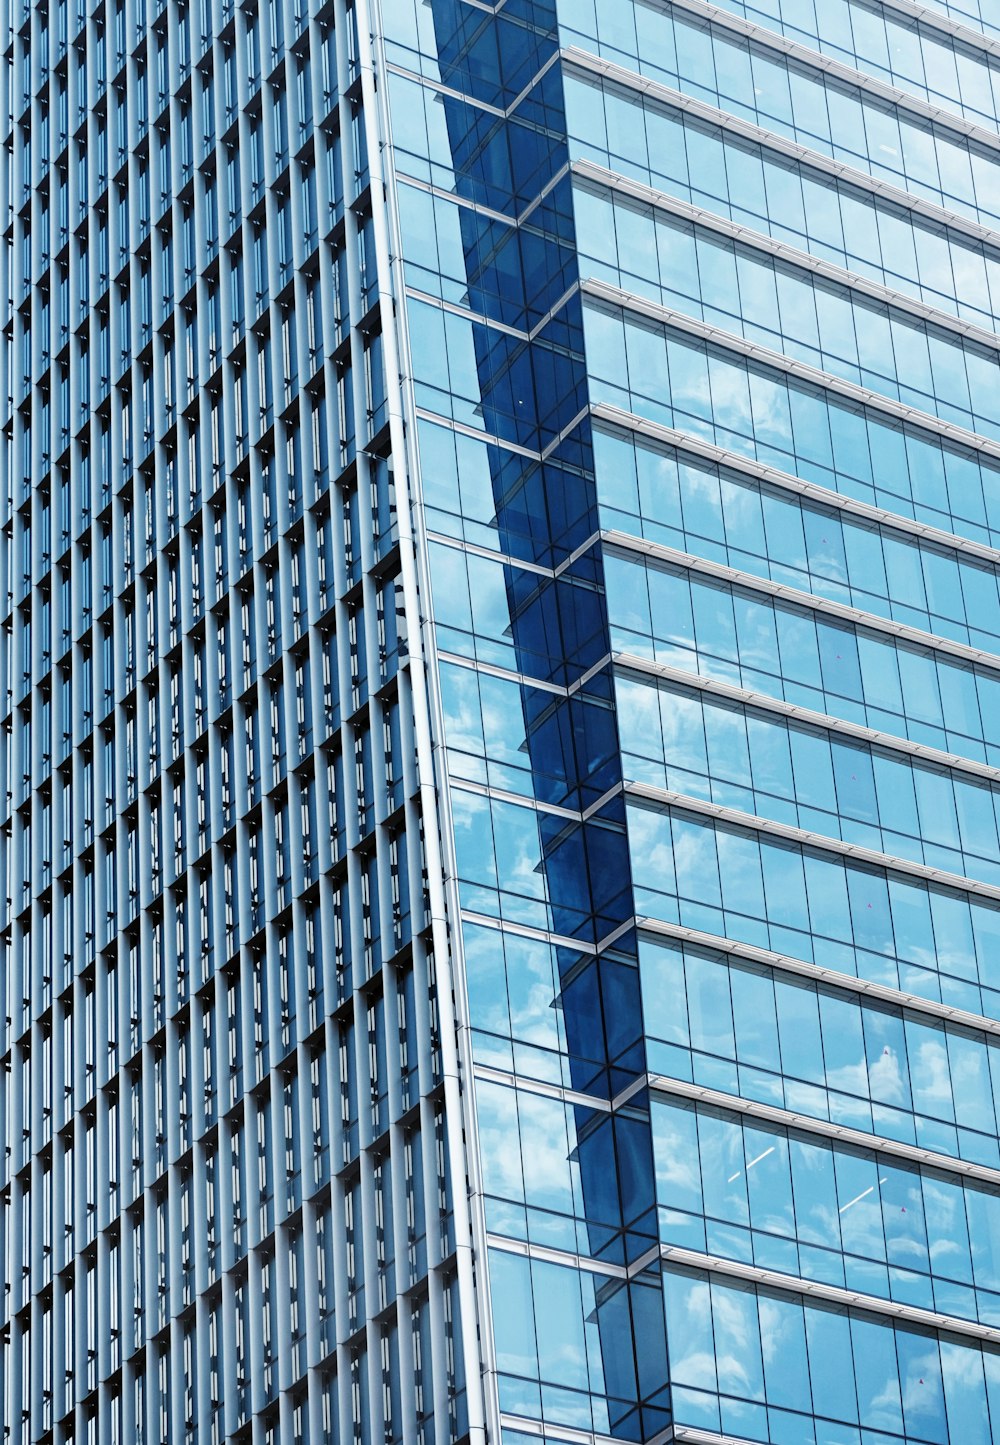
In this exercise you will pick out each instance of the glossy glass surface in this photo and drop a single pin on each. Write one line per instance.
(832, 215)
(801, 1205)
(553, 1324)
(755, 761)
(670, 495)
(527, 604)
(705, 625)
(728, 363)
(528, 1001)
(835, 117)
(492, 496)
(921, 60)
(753, 1031)
(755, 408)
(466, 256)
(776, 304)
(342, 1002)
(560, 630)
(767, 1366)
(816, 905)
(489, 721)
(541, 869)
(975, 13)
(485, 378)
(515, 582)
(542, 1157)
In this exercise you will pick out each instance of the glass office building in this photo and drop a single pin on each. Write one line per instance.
(501, 725)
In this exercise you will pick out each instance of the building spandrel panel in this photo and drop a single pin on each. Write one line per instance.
(501, 723)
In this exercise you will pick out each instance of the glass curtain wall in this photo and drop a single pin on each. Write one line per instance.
(702, 329)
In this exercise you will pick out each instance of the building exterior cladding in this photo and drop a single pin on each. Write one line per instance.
(501, 730)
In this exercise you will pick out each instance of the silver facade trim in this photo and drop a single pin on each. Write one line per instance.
(453, 308)
(541, 1086)
(493, 554)
(466, 313)
(393, 67)
(614, 296)
(566, 431)
(492, 669)
(842, 611)
(809, 1124)
(839, 70)
(594, 174)
(588, 64)
(664, 798)
(527, 930)
(830, 1294)
(546, 935)
(464, 203)
(566, 1432)
(502, 443)
(630, 662)
(535, 805)
(849, 982)
(503, 217)
(883, 993)
(938, 20)
(525, 800)
(505, 1245)
(529, 85)
(689, 1435)
(461, 1128)
(487, 438)
(772, 476)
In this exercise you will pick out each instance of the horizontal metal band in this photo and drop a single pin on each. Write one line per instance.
(823, 1128)
(567, 1433)
(463, 429)
(783, 963)
(938, 20)
(880, 90)
(393, 67)
(629, 421)
(786, 963)
(535, 805)
(491, 669)
(480, 318)
(763, 702)
(465, 313)
(525, 930)
(842, 611)
(831, 1294)
(556, 1256)
(597, 66)
(567, 430)
(690, 1435)
(666, 316)
(464, 203)
(780, 250)
(476, 549)
(467, 203)
(548, 935)
(805, 838)
(491, 1075)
